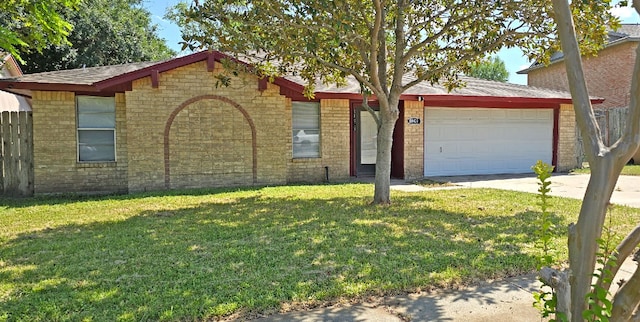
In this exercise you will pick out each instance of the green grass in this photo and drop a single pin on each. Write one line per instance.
(201, 255)
(628, 170)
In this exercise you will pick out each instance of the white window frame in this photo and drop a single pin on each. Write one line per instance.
(298, 131)
(94, 129)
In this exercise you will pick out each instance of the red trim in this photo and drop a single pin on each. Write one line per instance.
(452, 100)
(211, 63)
(160, 67)
(556, 136)
(397, 148)
(155, 78)
(352, 139)
(262, 84)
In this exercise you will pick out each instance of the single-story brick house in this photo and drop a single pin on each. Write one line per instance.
(165, 125)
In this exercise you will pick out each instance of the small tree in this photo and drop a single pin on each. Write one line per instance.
(388, 46)
(606, 163)
(490, 69)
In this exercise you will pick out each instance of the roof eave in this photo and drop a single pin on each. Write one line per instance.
(491, 101)
(36, 86)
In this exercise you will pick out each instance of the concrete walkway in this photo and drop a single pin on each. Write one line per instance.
(627, 191)
(505, 300)
(493, 301)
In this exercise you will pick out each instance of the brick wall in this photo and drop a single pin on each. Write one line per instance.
(334, 140)
(608, 75)
(56, 168)
(567, 157)
(210, 141)
(413, 141)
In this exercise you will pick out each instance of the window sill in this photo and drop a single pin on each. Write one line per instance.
(97, 164)
(310, 159)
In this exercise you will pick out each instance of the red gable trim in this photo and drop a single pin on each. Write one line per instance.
(160, 67)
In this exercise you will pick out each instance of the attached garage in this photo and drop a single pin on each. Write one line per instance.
(464, 141)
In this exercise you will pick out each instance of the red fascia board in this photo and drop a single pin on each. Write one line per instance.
(491, 101)
(147, 71)
(117, 81)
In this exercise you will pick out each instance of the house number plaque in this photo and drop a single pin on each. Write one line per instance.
(413, 120)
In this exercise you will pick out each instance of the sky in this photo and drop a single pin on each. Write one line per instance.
(513, 57)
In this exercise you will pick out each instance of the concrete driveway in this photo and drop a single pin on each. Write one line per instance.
(627, 190)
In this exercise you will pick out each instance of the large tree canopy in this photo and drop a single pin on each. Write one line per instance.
(105, 32)
(388, 46)
(30, 25)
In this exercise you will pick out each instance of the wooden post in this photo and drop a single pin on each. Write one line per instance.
(6, 147)
(2, 157)
(25, 174)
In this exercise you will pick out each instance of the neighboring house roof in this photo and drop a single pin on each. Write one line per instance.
(11, 102)
(626, 33)
(118, 78)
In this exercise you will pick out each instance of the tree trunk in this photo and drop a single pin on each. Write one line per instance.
(584, 234)
(388, 118)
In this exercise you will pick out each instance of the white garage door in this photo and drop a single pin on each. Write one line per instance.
(462, 141)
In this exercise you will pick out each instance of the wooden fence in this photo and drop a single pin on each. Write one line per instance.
(16, 154)
(611, 122)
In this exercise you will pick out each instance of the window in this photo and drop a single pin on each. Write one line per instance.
(96, 128)
(306, 129)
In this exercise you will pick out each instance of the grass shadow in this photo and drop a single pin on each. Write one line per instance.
(250, 252)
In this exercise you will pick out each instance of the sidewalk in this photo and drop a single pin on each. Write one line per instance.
(498, 301)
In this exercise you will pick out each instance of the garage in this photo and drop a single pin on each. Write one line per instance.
(467, 141)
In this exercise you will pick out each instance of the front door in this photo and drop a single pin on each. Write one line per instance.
(366, 142)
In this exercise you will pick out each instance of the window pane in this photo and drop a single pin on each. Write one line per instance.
(306, 129)
(306, 116)
(96, 145)
(96, 112)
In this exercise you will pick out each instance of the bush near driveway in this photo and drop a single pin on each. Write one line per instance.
(195, 255)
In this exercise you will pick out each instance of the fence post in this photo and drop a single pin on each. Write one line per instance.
(16, 154)
(2, 153)
(26, 154)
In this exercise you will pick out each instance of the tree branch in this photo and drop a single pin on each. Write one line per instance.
(399, 65)
(624, 249)
(626, 300)
(346, 70)
(448, 26)
(365, 104)
(559, 281)
(449, 65)
(575, 75)
(373, 50)
(629, 142)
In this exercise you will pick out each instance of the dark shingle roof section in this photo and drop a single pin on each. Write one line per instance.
(474, 87)
(83, 76)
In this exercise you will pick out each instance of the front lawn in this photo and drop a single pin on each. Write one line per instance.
(200, 255)
(628, 170)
